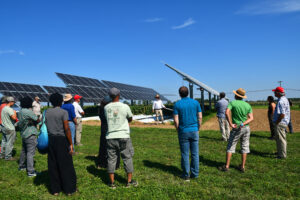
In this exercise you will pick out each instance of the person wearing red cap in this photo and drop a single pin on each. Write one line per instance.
(281, 120)
(79, 113)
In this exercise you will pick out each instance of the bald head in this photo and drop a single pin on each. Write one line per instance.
(183, 91)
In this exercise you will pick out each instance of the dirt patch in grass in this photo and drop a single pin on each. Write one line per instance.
(260, 122)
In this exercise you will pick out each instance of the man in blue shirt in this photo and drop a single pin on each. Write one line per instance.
(187, 120)
(221, 107)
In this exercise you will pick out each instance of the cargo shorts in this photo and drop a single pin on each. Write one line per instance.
(124, 146)
(242, 134)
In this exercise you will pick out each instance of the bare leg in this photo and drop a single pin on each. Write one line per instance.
(129, 177)
(244, 157)
(228, 157)
(112, 178)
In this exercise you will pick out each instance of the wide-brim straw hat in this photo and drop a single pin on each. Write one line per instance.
(240, 92)
(67, 97)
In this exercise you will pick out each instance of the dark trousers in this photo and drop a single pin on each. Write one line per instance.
(102, 156)
(60, 166)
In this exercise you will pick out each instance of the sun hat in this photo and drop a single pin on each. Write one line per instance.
(10, 99)
(67, 97)
(157, 96)
(240, 92)
(278, 89)
(77, 97)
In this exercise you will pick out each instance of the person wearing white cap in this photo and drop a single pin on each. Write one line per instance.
(157, 107)
(8, 117)
(36, 106)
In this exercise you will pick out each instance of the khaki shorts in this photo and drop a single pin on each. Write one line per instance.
(242, 134)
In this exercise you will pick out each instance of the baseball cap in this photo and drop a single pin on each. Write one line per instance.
(10, 99)
(114, 92)
(77, 97)
(278, 89)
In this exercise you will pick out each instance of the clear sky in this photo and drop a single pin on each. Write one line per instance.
(224, 44)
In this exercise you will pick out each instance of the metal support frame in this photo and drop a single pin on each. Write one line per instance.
(202, 98)
(209, 98)
(191, 90)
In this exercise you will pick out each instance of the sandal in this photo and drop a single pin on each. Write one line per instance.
(224, 168)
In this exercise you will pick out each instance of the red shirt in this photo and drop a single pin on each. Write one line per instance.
(1, 107)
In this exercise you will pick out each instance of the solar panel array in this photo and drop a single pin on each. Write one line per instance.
(19, 90)
(92, 90)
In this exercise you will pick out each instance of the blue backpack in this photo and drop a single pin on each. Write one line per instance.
(42, 140)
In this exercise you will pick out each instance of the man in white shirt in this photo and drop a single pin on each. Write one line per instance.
(36, 106)
(157, 107)
(79, 113)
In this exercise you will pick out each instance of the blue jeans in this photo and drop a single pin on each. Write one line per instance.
(189, 141)
(73, 132)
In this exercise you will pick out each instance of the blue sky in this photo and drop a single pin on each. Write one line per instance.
(224, 44)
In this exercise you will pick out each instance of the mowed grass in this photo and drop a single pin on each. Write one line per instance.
(157, 169)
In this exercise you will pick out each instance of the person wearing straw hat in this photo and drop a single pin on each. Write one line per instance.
(157, 107)
(241, 116)
(68, 106)
(281, 120)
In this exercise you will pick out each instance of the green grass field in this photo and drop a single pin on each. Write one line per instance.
(157, 169)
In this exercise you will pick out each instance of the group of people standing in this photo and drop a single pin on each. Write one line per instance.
(238, 114)
(63, 121)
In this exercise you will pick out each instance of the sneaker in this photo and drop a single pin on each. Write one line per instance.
(79, 144)
(224, 168)
(186, 178)
(10, 159)
(242, 169)
(32, 174)
(22, 168)
(112, 185)
(132, 183)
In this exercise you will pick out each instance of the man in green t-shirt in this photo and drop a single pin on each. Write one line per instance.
(241, 116)
(8, 117)
(118, 137)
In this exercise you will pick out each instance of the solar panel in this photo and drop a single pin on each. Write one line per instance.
(79, 80)
(19, 90)
(134, 92)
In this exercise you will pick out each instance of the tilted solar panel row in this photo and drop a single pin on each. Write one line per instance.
(79, 80)
(7, 86)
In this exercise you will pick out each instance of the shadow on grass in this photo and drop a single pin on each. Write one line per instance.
(259, 136)
(42, 179)
(209, 138)
(210, 163)
(102, 174)
(171, 169)
(92, 158)
(262, 154)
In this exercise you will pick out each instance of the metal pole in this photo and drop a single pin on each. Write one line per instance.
(209, 97)
(191, 90)
(214, 101)
(202, 98)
